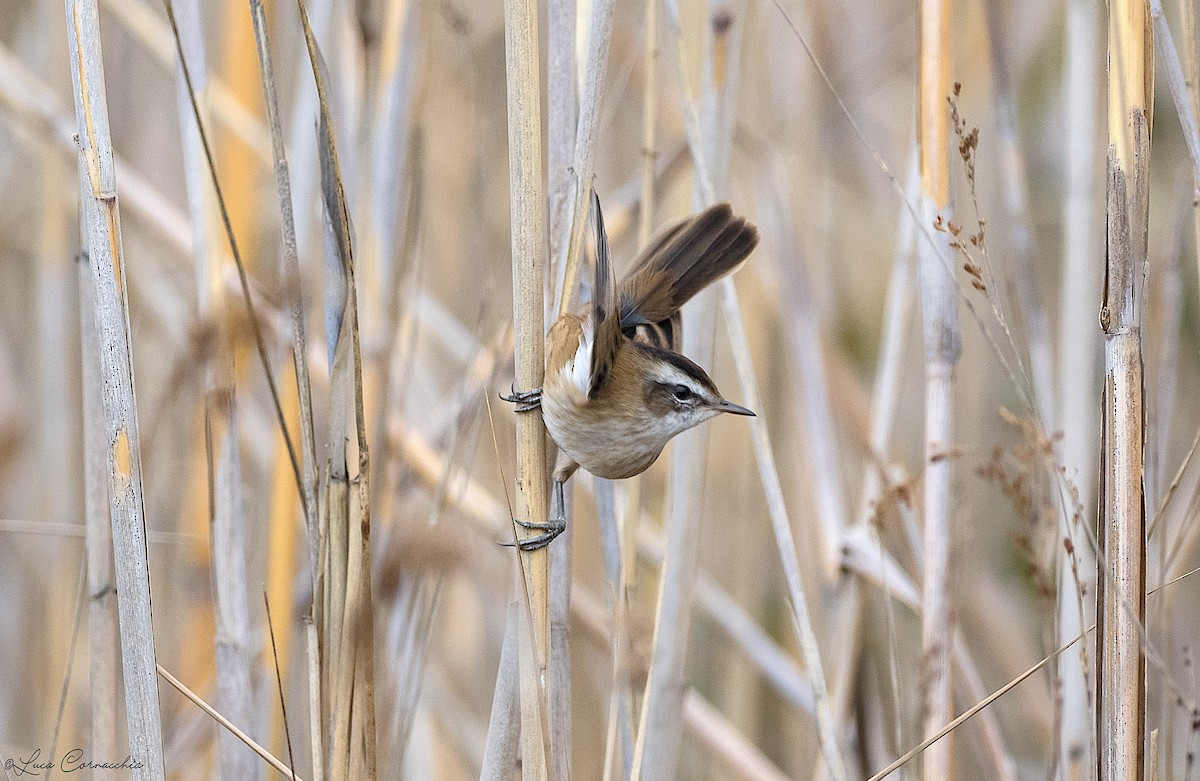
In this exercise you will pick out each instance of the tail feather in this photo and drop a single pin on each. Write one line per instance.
(605, 323)
(681, 261)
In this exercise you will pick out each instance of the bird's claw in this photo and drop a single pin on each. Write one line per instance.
(526, 401)
(550, 529)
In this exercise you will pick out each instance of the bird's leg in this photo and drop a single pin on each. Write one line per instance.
(554, 526)
(526, 401)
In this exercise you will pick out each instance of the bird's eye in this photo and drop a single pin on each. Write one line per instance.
(682, 393)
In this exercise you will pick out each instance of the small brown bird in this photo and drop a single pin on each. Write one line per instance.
(616, 391)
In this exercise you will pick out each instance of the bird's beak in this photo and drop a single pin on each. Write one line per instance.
(733, 409)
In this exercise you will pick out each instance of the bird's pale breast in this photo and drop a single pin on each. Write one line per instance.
(610, 435)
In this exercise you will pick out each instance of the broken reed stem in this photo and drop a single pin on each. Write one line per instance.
(1120, 597)
(344, 593)
(98, 201)
(939, 310)
(527, 193)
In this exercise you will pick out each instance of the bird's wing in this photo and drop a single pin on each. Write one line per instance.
(677, 264)
(605, 318)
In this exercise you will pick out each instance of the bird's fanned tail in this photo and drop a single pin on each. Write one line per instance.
(677, 264)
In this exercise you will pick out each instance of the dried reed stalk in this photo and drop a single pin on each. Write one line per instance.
(1191, 74)
(293, 294)
(660, 726)
(343, 598)
(235, 660)
(727, 27)
(228, 725)
(290, 270)
(939, 310)
(395, 200)
(586, 132)
(242, 274)
(1177, 82)
(98, 201)
(563, 129)
(1120, 597)
(620, 694)
(1191, 71)
(103, 640)
(527, 191)
(649, 125)
(1027, 304)
(499, 753)
(621, 707)
(562, 119)
(1077, 361)
(481, 510)
(827, 729)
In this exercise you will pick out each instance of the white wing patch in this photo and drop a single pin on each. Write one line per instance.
(579, 368)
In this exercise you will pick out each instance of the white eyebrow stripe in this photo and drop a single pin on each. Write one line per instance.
(669, 375)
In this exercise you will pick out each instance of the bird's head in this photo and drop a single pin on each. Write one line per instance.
(678, 393)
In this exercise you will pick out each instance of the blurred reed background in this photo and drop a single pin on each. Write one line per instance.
(805, 596)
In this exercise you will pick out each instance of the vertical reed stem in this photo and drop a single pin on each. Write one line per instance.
(1121, 601)
(527, 190)
(102, 596)
(1079, 349)
(939, 310)
(649, 125)
(98, 200)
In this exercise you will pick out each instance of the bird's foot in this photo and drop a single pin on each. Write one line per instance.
(550, 529)
(526, 401)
